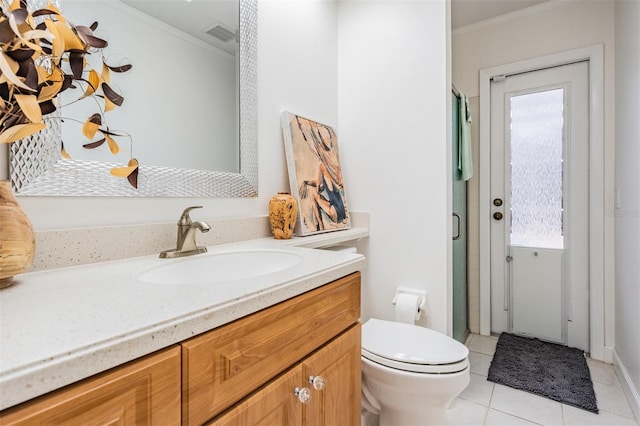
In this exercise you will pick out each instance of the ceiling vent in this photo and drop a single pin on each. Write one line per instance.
(221, 32)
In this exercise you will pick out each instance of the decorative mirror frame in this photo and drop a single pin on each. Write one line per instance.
(37, 168)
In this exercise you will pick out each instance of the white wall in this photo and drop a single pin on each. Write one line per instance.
(392, 125)
(627, 215)
(393, 118)
(297, 66)
(543, 30)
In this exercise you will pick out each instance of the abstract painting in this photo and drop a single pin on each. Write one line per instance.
(315, 175)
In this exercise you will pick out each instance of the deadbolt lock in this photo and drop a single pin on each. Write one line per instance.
(497, 216)
(497, 202)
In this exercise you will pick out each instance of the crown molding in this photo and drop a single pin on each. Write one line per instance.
(517, 14)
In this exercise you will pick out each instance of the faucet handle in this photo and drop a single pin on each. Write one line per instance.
(185, 219)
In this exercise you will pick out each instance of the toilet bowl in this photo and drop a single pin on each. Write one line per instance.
(410, 374)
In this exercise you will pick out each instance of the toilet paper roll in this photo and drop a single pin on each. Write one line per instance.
(407, 306)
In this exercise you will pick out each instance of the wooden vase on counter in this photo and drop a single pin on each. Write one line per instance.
(283, 212)
(17, 240)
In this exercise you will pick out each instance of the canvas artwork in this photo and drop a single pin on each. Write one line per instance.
(315, 175)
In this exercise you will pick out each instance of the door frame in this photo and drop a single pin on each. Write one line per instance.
(595, 55)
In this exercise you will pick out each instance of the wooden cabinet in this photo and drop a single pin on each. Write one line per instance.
(272, 405)
(336, 403)
(221, 367)
(145, 391)
(338, 364)
(244, 372)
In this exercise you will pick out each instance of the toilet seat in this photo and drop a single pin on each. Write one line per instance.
(412, 348)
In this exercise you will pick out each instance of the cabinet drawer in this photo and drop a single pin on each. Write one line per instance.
(145, 391)
(338, 403)
(222, 366)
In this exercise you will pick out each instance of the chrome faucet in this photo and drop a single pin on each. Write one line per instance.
(186, 244)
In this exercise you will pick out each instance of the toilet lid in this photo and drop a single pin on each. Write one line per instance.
(412, 348)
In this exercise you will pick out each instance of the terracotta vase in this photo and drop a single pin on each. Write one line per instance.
(17, 240)
(283, 212)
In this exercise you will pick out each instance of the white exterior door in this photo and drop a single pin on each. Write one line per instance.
(540, 203)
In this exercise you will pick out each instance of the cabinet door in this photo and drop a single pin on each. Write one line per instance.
(222, 366)
(275, 404)
(338, 364)
(146, 392)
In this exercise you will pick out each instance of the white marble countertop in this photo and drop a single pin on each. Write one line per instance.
(62, 325)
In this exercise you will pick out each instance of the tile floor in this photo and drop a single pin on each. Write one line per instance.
(487, 403)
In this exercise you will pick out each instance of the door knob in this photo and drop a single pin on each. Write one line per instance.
(497, 216)
(303, 394)
(318, 382)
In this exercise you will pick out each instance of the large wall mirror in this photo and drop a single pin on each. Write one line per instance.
(190, 105)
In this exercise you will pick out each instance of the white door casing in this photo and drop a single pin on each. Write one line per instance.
(595, 57)
(526, 297)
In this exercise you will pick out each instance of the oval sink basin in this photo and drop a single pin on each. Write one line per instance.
(218, 267)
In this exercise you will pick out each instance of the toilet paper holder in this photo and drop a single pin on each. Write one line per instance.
(422, 296)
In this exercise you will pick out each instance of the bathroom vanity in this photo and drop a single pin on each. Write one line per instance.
(285, 345)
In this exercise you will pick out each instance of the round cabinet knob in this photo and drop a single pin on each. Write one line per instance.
(303, 394)
(497, 216)
(318, 382)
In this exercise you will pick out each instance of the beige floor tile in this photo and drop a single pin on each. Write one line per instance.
(527, 406)
(602, 372)
(479, 390)
(484, 402)
(480, 363)
(498, 418)
(577, 417)
(469, 339)
(483, 344)
(463, 413)
(612, 399)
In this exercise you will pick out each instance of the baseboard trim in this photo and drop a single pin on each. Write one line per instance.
(627, 385)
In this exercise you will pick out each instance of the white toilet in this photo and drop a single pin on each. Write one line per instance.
(410, 374)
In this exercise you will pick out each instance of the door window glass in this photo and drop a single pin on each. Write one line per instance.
(536, 147)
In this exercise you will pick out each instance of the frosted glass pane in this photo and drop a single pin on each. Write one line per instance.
(537, 121)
